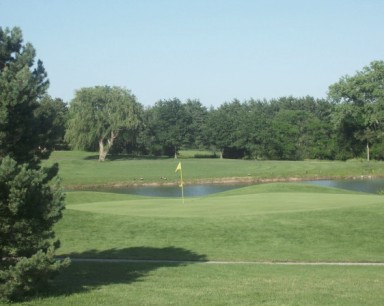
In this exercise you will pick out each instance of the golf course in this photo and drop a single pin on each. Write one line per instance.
(277, 243)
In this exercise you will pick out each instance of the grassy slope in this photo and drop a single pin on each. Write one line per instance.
(81, 168)
(255, 223)
(265, 222)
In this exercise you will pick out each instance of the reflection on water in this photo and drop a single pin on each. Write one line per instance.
(174, 191)
(369, 186)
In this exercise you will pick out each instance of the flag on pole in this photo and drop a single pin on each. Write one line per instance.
(178, 168)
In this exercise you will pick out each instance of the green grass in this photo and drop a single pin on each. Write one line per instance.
(82, 169)
(202, 284)
(255, 223)
(279, 222)
(197, 154)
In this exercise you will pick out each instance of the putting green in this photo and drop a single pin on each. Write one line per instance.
(259, 223)
(229, 205)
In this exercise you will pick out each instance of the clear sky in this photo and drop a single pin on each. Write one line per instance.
(211, 50)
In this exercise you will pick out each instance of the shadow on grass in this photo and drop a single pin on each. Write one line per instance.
(87, 276)
(167, 253)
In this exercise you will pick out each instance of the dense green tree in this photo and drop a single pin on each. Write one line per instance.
(147, 142)
(98, 115)
(255, 128)
(291, 128)
(31, 200)
(322, 143)
(284, 128)
(216, 131)
(51, 115)
(22, 85)
(301, 128)
(359, 117)
(169, 126)
(285, 135)
(224, 129)
(196, 120)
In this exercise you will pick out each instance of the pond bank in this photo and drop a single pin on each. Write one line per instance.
(225, 180)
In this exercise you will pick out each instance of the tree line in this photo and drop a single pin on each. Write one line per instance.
(347, 124)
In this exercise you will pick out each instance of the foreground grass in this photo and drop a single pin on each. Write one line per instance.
(207, 284)
(82, 169)
(274, 222)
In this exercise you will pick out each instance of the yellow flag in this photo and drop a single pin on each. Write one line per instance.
(178, 168)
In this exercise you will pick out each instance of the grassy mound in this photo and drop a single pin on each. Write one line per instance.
(271, 222)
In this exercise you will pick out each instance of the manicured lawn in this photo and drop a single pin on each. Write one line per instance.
(82, 169)
(302, 223)
(207, 284)
(279, 222)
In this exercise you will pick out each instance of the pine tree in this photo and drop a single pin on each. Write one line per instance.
(31, 200)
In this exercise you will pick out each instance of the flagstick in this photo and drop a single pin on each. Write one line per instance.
(178, 168)
(182, 185)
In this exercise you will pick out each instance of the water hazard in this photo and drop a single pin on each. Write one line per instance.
(174, 191)
(370, 186)
(362, 185)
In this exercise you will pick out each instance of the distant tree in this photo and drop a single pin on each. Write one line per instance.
(31, 200)
(169, 126)
(224, 129)
(196, 122)
(285, 135)
(322, 142)
(97, 115)
(147, 142)
(300, 128)
(254, 128)
(359, 117)
(284, 128)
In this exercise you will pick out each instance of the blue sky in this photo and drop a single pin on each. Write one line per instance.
(211, 50)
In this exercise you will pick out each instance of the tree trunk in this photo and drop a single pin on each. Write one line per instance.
(175, 153)
(221, 153)
(368, 155)
(103, 149)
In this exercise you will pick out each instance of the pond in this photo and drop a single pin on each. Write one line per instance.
(362, 185)
(370, 186)
(175, 191)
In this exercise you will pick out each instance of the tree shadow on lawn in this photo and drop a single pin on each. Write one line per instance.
(84, 276)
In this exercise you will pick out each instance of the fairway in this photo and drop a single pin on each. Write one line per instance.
(166, 247)
(81, 170)
(271, 223)
(241, 228)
